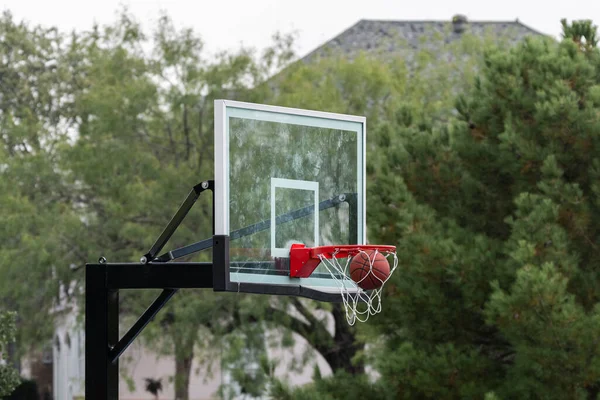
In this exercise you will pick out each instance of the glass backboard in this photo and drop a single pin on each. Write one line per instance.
(285, 176)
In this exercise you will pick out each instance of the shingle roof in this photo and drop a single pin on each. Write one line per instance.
(397, 37)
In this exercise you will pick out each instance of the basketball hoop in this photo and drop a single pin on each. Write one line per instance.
(356, 270)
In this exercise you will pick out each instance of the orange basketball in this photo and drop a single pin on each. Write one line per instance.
(369, 269)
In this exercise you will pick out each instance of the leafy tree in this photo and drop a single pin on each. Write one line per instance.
(144, 139)
(98, 143)
(37, 227)
(9, 378)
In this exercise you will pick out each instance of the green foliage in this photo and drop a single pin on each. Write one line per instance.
(342, 386)
(409, 111)
(581, 32)
(495, 215)
(549, 333)
(494, 212)
(100, 139)
(27, 390)
(483, 171)
(9, 378)
(36, 224)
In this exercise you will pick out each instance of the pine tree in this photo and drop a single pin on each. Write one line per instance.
(496, 220)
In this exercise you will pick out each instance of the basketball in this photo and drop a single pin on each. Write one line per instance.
(367, 277)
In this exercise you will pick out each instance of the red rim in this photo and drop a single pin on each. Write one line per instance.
(349, 249)
(304, 260)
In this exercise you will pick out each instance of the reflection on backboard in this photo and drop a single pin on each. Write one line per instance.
(285, 176)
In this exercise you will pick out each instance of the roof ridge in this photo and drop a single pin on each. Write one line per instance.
(510, 24)
(515, 21)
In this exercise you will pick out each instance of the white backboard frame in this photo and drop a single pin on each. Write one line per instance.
(222, 111)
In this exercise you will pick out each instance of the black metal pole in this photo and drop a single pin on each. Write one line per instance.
(352, 200)
(220, 269)
(102, 332)
(102, 284)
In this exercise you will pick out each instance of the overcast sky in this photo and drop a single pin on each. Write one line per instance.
(226, 24)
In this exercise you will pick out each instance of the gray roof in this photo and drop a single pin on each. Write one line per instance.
(398, 37)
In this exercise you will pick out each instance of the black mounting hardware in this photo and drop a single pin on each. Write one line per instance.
(104, 280)
(102, 284)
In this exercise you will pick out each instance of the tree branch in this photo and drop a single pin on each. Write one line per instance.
(310, 317)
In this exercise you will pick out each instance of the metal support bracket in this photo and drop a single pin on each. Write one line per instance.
(172, 226)
(140, 324)
(103, 282)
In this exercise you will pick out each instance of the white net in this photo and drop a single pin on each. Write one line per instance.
(362, 295)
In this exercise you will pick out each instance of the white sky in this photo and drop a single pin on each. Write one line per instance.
(226, 24)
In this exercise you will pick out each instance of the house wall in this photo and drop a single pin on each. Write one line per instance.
(68, 358)
(138, 363)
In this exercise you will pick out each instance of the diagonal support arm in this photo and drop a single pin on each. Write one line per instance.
(166, 294)
(140, 324)
(177, 218)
